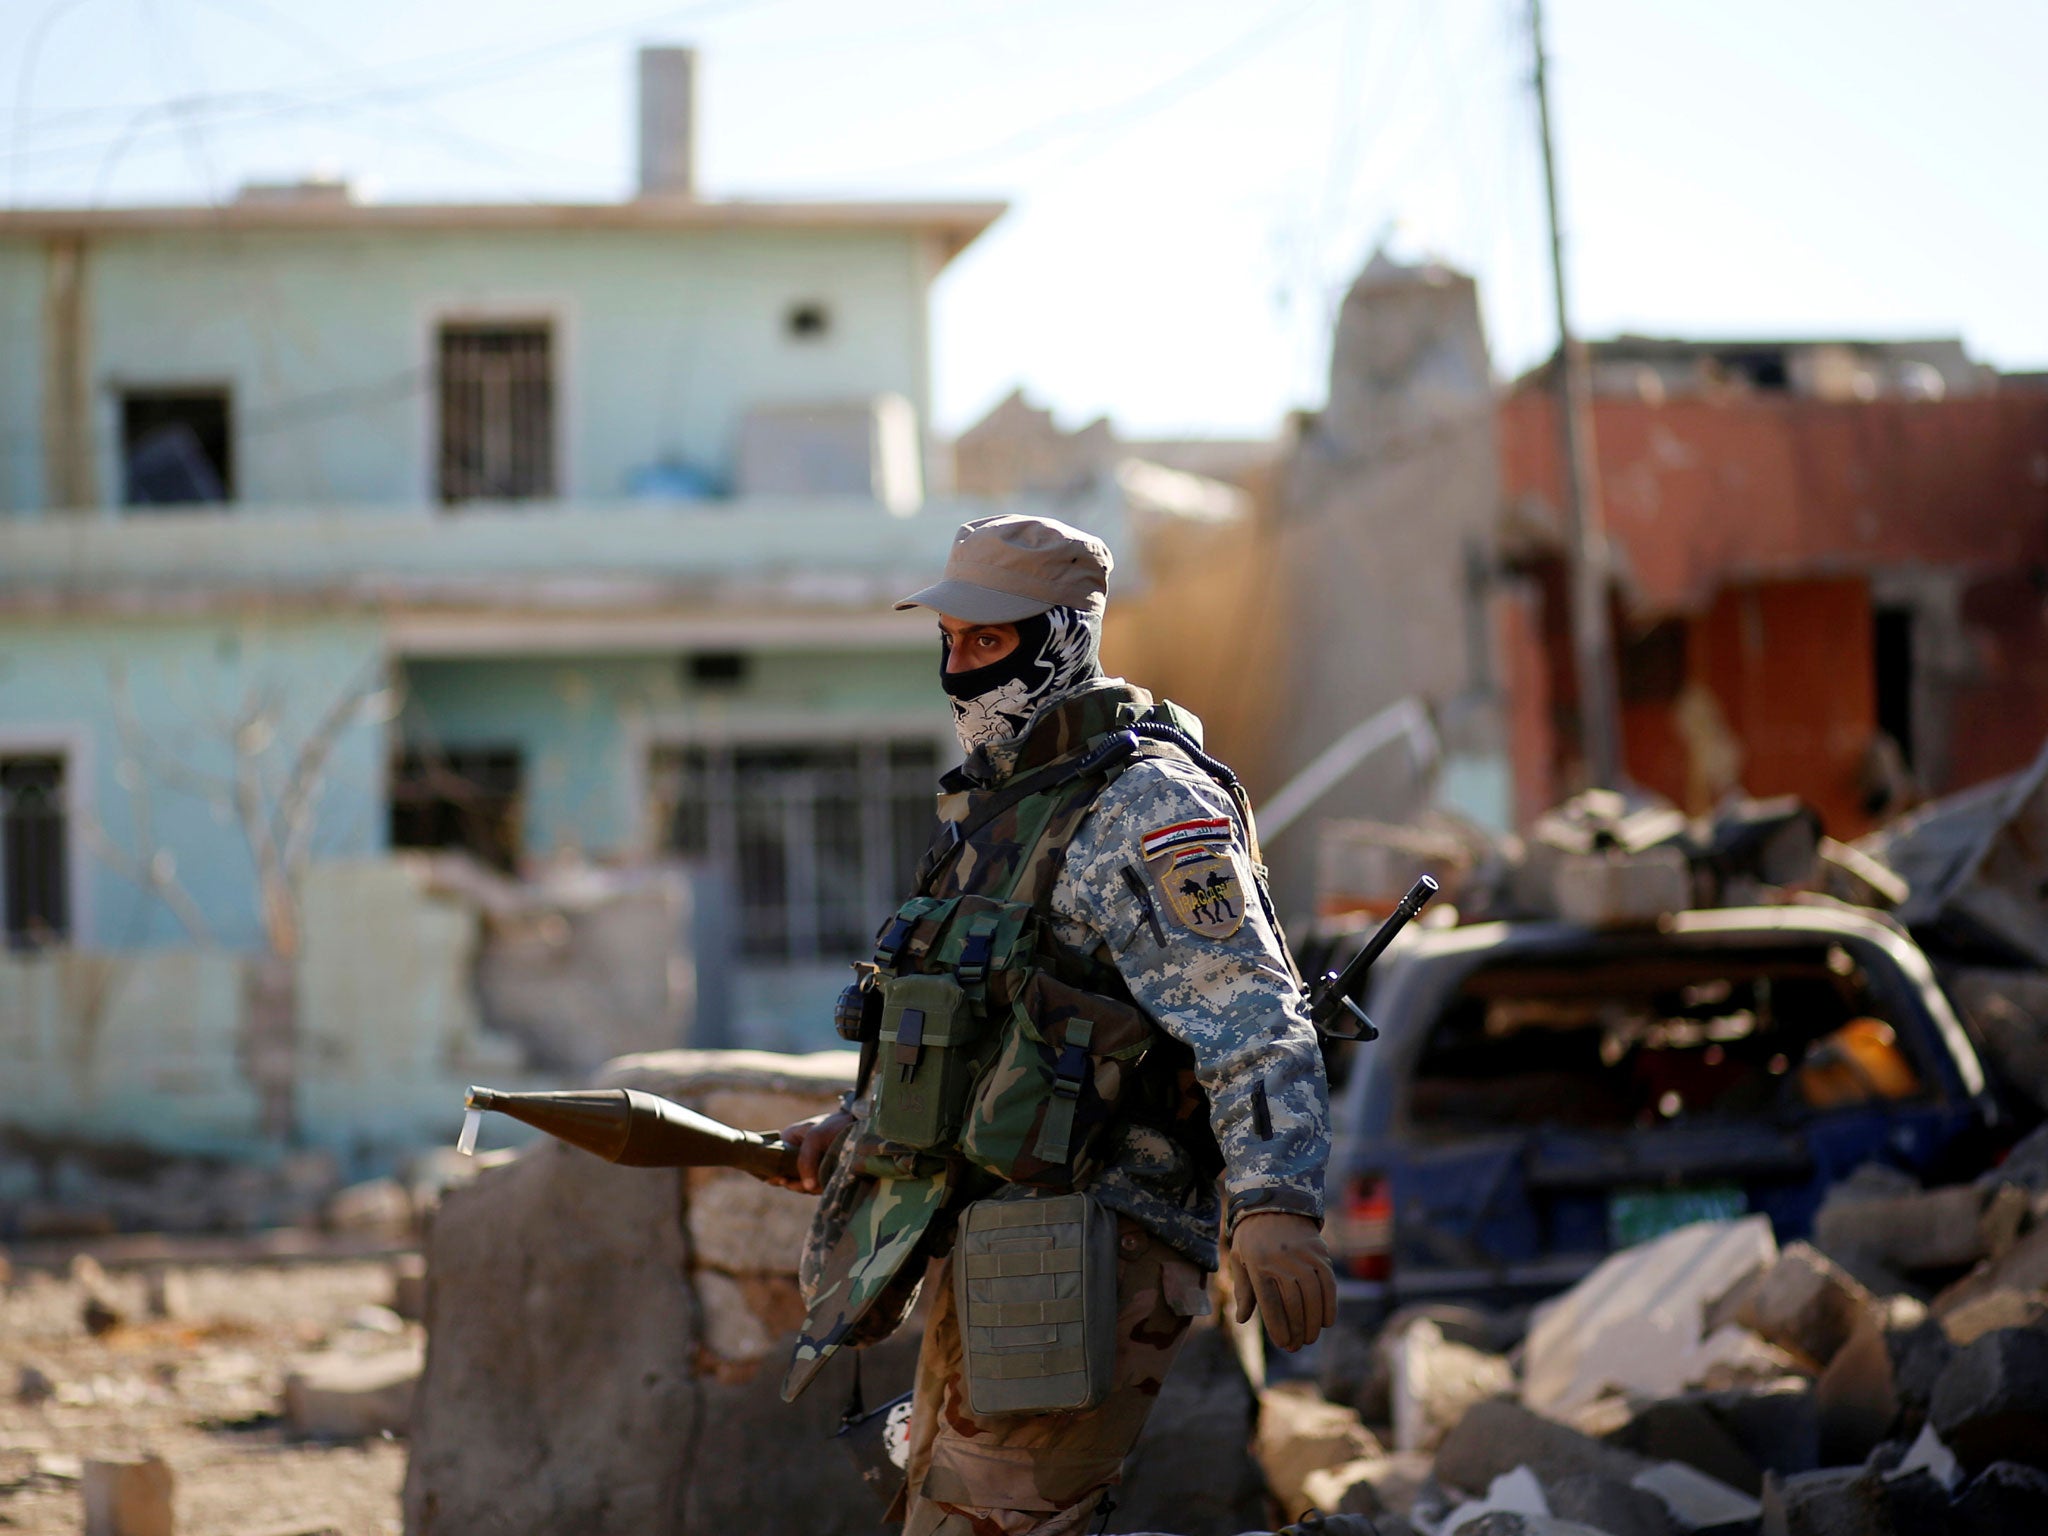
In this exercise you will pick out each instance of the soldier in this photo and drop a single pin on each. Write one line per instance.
(1130, 1025)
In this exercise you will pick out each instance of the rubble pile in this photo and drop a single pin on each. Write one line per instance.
(1889, 1378)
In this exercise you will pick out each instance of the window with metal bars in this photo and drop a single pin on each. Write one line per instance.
(819, 840)
(35, 889)
(497, 401)
(468, 798)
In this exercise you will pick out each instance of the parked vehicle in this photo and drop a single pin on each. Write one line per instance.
(1542, 1093)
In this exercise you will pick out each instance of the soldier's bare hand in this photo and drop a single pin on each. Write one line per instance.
(1278, 1261)
(812, 1139)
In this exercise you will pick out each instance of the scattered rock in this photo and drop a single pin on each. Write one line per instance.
(1777, 1425)
(352, 1397)
(1927, 1454)
(1501, 1522)
(2007, 1498)
(1971, 1320)
(127, 1496)
(1515, 1492)
(1929, 1230)
(2023, 1267)
(1435, 1381)
(1806, 1304)
(1991, 1403)
(1610, 1507)
(1685, 1429)
(1372, 1486)
(1298, 1434)
(32, 1387)
(1498, 1435)
(100, 1316)
(409, 1287)
(1857, 1397)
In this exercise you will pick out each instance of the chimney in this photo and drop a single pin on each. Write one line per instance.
(668, 122)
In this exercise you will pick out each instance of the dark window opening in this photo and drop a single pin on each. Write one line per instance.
(469, 798)
(35, 889)
(818, 840)
(1631, 1042)
(176, 449)
(497, 399)
(1652, 664)
(808, 322)
(1892, 649)
(1761, 370)
(717, 669)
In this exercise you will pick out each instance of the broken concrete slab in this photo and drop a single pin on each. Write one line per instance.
(127, 1496)
(1298, 1434)
(1635, 1323)
(1971, 1320)
(1434, 1382)
(1698, 1504)
(1991, 1403)
(1498, 1435)
(1805, 1303)
(352, 1397)
(2022, 1267)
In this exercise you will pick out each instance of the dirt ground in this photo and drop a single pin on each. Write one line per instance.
(200, 1387)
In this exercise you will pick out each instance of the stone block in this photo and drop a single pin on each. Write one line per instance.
(352, 1397)
(127, 1496)
(1299, 1433)
(1498, 1435)
(2022, 1267)
(1373, 1486)
(1806, 1304)
(2007, 1498)
(1970, 1321)
(1991, 1403)
(1857, 1397)
(1930, 1230)
(1434, 1382)
(1777, 1425)
(745, 1227)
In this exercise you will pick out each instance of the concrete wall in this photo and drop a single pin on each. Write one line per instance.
(326, 339)
(144, 712)
(586, 724)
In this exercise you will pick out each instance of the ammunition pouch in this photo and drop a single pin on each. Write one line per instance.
(1034, 1280)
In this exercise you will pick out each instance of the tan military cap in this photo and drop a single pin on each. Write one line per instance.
(1002, 569)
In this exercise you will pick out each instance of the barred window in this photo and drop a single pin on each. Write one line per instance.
(35, 891)
(497, 400)
(819, 840)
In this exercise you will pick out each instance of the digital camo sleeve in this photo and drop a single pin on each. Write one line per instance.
(1160, 874)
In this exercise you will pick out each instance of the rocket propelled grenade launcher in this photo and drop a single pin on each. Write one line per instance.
(1332, 1006)
(641, 1130)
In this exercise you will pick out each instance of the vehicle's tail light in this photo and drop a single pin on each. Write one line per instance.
(1363, 1238)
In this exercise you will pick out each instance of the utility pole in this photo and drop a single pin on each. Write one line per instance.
(1585, 540)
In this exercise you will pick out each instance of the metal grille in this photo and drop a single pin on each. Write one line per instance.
(33, 883)
(819, 841)
(497, 412)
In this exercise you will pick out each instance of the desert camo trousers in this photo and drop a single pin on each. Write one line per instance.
(1043, 1474)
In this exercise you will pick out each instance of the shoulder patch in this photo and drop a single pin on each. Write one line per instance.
(1198, 874)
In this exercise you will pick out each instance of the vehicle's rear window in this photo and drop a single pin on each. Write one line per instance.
(1635, 1040)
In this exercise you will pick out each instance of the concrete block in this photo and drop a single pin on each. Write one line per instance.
(1991, 1403)
(2022, 1267)
(1698, 1505)
(127, 1496)
(1434, 1382)
(1298, 1434)
(2007, 1498)
(1969, 1322)
(1498, 1435)
(1805, 1303)
(352, 1397)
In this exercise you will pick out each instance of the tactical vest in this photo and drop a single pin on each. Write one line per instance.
(1000, 1054)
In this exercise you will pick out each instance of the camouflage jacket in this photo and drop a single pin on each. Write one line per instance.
(1212, 973)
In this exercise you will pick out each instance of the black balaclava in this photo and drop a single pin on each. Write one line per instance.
(1057, 652)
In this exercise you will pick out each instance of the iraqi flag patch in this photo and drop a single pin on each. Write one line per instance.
(1199, 876)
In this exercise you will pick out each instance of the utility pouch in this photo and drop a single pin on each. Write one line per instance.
(1034, 1281)
(924, 1069)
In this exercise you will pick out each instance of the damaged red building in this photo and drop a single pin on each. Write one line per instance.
(1830, 572)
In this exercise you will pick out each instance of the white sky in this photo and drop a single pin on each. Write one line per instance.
(1192, 181)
